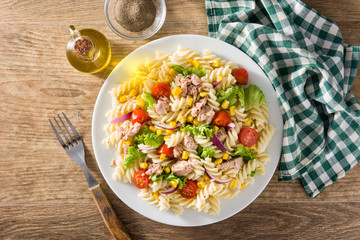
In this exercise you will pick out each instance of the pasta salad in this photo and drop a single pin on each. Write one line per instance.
(188, 130)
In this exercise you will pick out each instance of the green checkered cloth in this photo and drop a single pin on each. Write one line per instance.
(312, 70)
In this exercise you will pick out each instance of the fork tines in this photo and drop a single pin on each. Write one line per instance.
(72, 140)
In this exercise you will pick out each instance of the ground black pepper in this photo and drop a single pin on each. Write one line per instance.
(135, 15)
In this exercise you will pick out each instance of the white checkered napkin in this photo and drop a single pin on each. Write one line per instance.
(312, 70)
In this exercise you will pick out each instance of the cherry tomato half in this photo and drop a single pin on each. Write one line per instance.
(241, 75)
(168, 151)
(248, 137)
(141, 180)
(189, 190)
(222, 118)
(161, 90)
(140, 116)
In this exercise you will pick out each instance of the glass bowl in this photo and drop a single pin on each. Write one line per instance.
(160, 7)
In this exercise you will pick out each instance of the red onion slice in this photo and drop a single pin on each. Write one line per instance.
(229, 126)
(216, 179)
(218, 143)
(121, 118)
(171, 190)
(215, 84)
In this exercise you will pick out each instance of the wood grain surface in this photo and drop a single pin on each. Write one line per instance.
(44, 193)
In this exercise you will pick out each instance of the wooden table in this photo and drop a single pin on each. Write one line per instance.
(44, 193)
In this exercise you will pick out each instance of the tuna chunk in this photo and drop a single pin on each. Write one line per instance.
(192, 90)
(125, 149)
(221, 134)
(206, 114)
(189, 143)
(127, 130)
(182, 168)
(162, 106)
(236, 163)
(184, 84)
(154, 168)
(196, 109)
(178, 150)
(190, 85)
(195, 79)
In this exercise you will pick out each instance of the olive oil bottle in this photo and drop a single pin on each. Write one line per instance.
(88, 50)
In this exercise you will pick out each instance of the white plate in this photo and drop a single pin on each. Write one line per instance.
(128, 192)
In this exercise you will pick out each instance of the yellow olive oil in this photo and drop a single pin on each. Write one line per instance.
(88, 50)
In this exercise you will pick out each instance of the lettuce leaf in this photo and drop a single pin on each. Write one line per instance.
(180, 69)
(252, 173)
(200, 72)
(180, 180)
(132, 156)
(254, 97)
(148, 137)
(207, 152)
(203, 130)
(246, 153)
(149, 101)
(235, 96)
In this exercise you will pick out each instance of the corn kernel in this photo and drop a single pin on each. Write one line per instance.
(200, 184)
(143, 165)
(219, 78)
(218, 161)
(216, 63)
(232, 110)
(206, 177)
(203, 94)
(152, 128)
(166, 169)
(167, 137)
(196, 63)
(172, 72)
(190, 102)
(159, 132)
(225, 104)
(162, 156)
(140, 102)
(225, 156)
(216, 129)
(172, 124)
(185, 155)
(252, 147)
(156, 195)
(243, 185)
(138, 97)
(127, 142)
(182, 119)
(196, 122)
(189, 118)
(133, 93)
(169, 131)
(173, 184)
(168, 79)
(176, 91)
(123, 99)
(233, 184)
(248, 122)
(189, 60)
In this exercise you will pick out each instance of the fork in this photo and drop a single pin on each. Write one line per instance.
(74, 147)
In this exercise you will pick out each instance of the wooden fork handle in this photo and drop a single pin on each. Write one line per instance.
(114, 225)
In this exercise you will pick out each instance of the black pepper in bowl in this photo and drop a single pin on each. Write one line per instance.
(135, 15)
